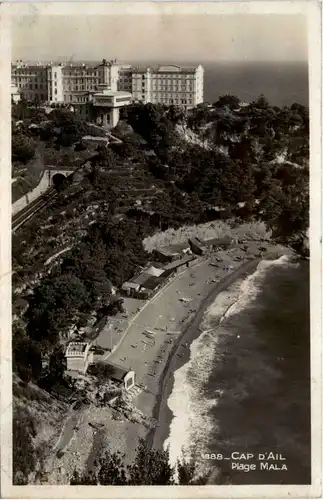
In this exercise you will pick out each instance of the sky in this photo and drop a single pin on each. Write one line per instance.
(190, 38)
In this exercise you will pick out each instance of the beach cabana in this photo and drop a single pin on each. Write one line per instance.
(179, 265)
(197, 246)
(173, 252)
(122, 376)
(224, 242)
(130, 288)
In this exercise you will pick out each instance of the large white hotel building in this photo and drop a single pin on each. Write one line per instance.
(108, 84)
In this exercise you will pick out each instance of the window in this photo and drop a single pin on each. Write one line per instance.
(55, 75)
(55, 92)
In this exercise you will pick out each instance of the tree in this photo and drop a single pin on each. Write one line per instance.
(24, 458)
(112, 470)
(150, 467)
(85, 479)
(27, 361)
(231, 101)
(57, 364)
(106, 158)
(23, 148)
(69, 127)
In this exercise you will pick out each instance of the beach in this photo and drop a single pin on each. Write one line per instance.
(177, 321)
(174, 316)
(245, 388)
(161, 411)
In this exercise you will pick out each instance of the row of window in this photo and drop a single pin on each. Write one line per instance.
(78, 74)
(75, 98)
(168, 77)
(78, 80)
(175, 101)
(31, 97)
(31, 86)
(175, 87)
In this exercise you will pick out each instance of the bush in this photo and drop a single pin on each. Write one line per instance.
(24, 457)
(23, 148)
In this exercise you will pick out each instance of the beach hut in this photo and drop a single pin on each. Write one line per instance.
(197, 246)
(130, 288)
(122, 376)
(173, 252)
(179, 265)
(221, 243)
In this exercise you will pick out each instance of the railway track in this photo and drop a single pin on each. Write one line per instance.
(27, 213)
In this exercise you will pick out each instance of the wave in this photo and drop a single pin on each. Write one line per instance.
(192, 421)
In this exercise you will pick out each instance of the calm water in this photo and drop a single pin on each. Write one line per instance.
(282, 84)
(246, 388)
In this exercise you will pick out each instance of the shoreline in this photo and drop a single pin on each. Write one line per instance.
(157, 436)
(167, 313)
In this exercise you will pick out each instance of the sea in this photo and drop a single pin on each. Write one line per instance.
(243, 398)
(282, 83)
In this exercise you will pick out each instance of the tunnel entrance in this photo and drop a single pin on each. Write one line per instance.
(59, 181)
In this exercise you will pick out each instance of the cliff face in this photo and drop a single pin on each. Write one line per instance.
(37, 421)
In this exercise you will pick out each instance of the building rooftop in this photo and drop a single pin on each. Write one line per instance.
(226, 240)
(197, 242)
(174, 249)
(76, 348)
(154, 271)
(113, 93)
(117, 372)
(130, 284)
(169, 68)
(180, 262)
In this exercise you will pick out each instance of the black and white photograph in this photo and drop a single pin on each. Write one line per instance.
(161, 321)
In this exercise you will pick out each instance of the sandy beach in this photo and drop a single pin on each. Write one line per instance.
(174, 323)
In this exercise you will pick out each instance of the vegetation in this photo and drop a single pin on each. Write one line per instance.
(23, 432)
(149, 467)
(249, 161)
(246, 159)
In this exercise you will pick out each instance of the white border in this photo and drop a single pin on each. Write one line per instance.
(313, 12)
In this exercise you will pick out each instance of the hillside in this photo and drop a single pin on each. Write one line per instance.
(37, 420)
(218, 166)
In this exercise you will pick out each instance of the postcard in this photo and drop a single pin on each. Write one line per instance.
(161, 257)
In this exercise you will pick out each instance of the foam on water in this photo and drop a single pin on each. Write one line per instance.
(187, 403)
(192, 424)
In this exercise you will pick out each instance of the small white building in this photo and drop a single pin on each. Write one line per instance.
(130, 288)
(15, 94)
(122, 376)
(107, 104)
(78, 356)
